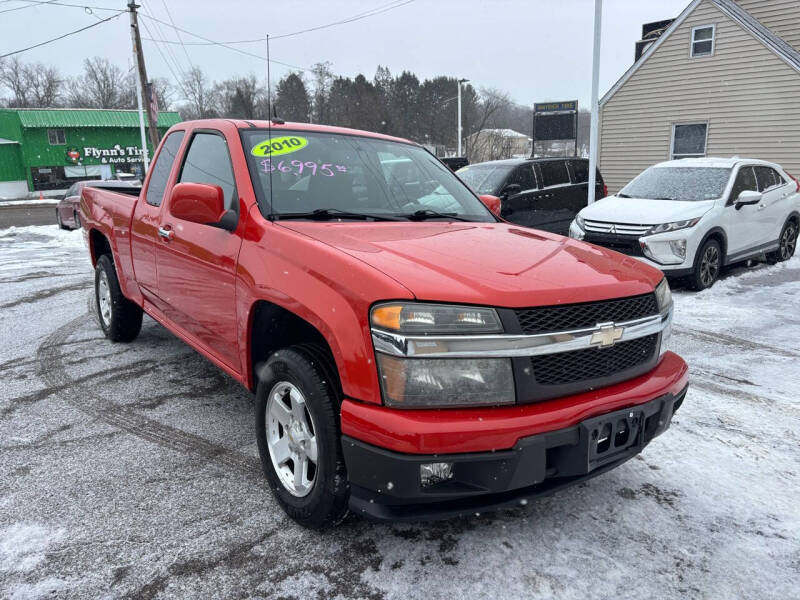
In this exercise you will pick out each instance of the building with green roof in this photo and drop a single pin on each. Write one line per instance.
(52, 148)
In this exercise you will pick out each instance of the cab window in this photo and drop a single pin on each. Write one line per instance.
(161, 169)
(208, 161)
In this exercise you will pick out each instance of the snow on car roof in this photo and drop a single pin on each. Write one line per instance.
(711, 162)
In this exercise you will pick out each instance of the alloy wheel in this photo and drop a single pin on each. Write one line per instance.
(709, 266)
(788, 241)
(104, 298)
(291, 438)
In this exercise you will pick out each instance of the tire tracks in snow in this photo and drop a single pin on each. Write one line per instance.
(78, 394)
(722, 338)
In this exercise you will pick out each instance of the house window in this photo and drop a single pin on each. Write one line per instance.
(56, 137)
(689, 140)
(703, 40)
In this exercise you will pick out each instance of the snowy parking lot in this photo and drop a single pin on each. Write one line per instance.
(131, 471)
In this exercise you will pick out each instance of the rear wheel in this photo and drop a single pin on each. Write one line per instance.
(707, 266)
(298, 436)
(120, 319)
(59, 221)
(787, 244)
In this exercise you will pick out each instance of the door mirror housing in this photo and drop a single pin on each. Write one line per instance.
(493, 203)
(201, 203)
(747, 197)
(512, 189)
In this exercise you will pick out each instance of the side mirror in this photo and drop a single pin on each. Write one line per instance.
(746, 198)
(493, 203)
(201, 203)
(512, 189)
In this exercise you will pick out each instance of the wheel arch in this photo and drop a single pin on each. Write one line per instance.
(99, 244)
(718, 234)
(272, 327)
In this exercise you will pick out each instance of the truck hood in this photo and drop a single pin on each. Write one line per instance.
(495, 264)
(638, 211)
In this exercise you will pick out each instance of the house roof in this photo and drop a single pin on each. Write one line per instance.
(86, 117)
(735, 12)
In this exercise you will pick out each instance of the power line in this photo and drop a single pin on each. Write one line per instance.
(178, 80)
(61, 37)
(357, 17)
(168, 49)
(213, 43)
(178, 34)
(35, 3)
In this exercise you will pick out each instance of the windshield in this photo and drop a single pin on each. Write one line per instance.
(678, 183)
(333, 173)
(484, 179)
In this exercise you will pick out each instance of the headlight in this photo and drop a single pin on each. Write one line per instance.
(579, 222)
(663, 296)
(445, 382)
(435, 319)
(675, 226)
(576, 230)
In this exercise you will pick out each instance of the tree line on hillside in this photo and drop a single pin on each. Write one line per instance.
(400, 105)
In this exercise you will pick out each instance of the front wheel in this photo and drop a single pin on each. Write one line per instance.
(120, 318)
(59, 221)
(707, 266)
(299, 439)
(787, 244)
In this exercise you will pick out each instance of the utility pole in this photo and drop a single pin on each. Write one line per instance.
(460, 81)
(593, 129)
(141, 82)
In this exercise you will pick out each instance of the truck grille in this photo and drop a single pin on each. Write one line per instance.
(592, 363)
(580, 316)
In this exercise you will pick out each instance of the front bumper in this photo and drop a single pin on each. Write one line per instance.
(385, 485)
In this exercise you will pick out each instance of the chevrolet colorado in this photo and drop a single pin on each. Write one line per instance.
(412, 355)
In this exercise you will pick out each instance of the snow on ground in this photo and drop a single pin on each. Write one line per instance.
(130, 470)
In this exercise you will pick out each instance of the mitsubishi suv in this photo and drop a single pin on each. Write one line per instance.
(692, 217)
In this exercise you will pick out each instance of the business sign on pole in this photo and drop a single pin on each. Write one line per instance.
(555, 121)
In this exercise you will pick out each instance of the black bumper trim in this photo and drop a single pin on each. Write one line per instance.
(385, 485)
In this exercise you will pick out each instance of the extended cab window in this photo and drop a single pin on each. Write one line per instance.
(554, 172)
(160, 170)
(208, 161)
(745, 180)
(298, 172)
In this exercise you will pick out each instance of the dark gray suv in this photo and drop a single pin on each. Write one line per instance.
(545, 193)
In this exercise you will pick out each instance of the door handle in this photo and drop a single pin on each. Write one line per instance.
(166, 233)
(762, 206)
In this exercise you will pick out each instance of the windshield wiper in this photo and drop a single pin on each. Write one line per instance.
(327, 214)
(621, 195)
(427, 213)
(662, 198)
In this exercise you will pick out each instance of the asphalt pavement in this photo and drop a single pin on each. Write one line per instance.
(20, 215)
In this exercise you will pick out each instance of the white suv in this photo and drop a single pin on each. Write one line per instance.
(691, 217)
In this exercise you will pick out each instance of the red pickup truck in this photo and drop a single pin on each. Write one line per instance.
(412, 355)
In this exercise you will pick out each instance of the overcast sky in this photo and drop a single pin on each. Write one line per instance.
(536, 50)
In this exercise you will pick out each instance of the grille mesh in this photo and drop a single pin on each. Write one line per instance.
(577, 316)
(592, 363)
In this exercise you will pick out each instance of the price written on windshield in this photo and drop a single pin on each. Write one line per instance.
(298, 167)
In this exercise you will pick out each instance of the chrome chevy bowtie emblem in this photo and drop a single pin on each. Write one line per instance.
(606, 335)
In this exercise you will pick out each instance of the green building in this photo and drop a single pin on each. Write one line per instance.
(50, 149)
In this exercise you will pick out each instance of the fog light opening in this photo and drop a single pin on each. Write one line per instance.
(433, 473)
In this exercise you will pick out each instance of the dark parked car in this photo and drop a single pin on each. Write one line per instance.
(545, 193)
(68, 208)
(455, 162)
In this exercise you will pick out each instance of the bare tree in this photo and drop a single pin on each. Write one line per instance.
(102, 85)
(492, 102)
(202, 101)
(165, 91)
(323, 79)
(240, 97)
(32, 85)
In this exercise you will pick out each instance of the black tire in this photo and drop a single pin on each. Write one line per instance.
(307, 371)
(59, 221)
(120, 319)
(787, 244)
(707, 265)
(76, 219)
